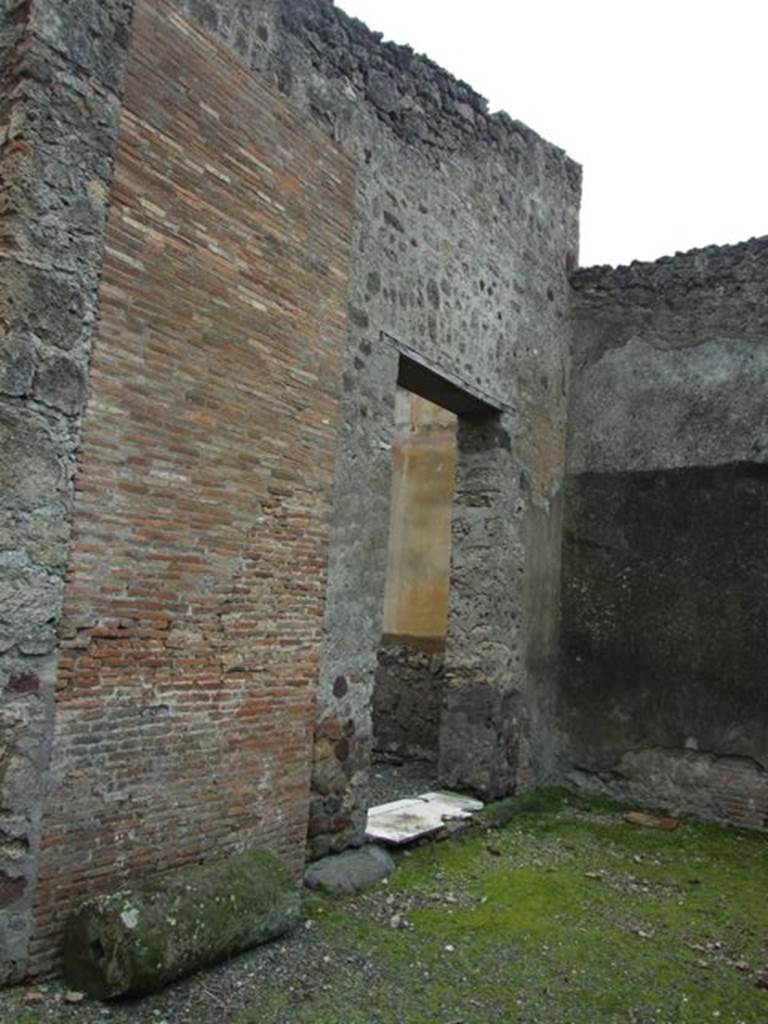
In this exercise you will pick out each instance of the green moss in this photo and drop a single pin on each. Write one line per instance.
(567, 914)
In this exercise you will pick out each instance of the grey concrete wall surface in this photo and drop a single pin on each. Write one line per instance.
(664, 640)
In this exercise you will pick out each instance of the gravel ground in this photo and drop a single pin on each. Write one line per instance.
(299, 965)
(394, 780)
(302, 963)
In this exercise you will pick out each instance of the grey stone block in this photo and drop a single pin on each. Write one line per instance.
(350, 872)
(60, 383)
(31, 472)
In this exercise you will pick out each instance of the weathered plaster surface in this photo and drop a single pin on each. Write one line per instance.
(666, 564)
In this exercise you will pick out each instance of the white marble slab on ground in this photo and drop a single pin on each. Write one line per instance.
(403, 821)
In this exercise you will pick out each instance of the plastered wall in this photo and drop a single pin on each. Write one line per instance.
(663, 695)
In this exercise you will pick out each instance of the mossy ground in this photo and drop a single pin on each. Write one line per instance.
(567, 914)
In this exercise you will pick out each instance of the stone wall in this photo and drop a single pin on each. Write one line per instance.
(408, 697)
(59, 114)
(464, 231)
(663, 693)
(160, 638)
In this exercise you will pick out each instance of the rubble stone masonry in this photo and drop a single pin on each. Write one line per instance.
(59, 114)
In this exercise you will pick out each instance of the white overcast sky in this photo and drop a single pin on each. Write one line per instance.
(663, 102)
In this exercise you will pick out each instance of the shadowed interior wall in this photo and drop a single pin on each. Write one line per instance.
(665, 636)
(194, 606)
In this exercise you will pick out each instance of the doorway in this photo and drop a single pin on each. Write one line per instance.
(443, 710)
(475, 660)
(408, 690)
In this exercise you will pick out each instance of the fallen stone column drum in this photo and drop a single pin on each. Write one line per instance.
(141, 938)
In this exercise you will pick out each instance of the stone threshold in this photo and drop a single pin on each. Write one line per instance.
(405, 821)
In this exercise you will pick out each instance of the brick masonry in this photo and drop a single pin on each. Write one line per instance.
(194, 601)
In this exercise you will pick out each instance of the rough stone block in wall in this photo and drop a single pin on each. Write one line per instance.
(194, 604)
(408, 696)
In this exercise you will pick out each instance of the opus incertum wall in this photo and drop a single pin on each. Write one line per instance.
(59, 113)
(193, 607)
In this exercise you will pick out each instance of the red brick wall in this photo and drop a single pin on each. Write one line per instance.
(194, 606)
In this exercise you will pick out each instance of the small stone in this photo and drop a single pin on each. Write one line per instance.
(73, 997)
(643, 820)
(352, 871)
(33, 996)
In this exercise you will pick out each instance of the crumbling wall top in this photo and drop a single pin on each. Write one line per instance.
(696, 268)
(419, 101)
(703, 295)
